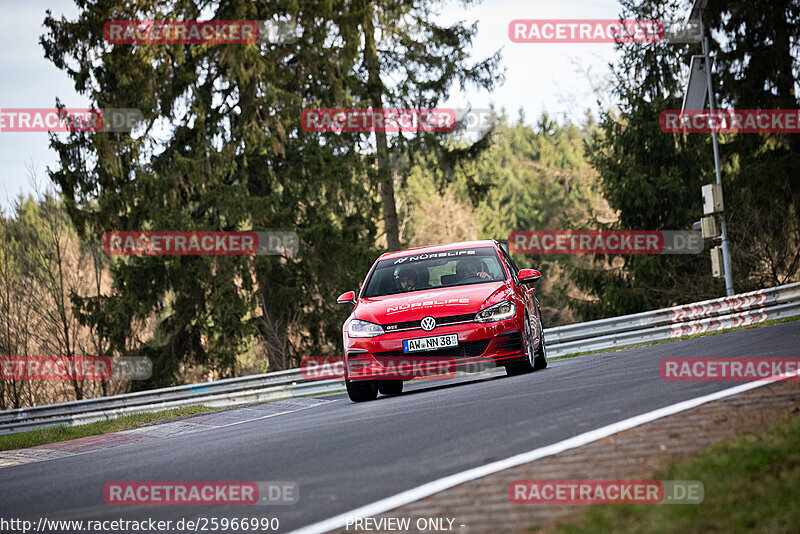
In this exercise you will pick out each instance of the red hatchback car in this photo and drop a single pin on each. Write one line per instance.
(431, 311)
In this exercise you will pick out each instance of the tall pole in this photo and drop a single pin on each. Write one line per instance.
(726, 256)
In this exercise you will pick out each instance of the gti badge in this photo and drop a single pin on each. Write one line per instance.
(428, 323)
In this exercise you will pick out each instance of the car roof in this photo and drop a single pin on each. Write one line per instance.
(439, 248)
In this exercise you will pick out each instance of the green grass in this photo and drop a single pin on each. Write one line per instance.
(682, 338)
(21, 440)
(751, 484)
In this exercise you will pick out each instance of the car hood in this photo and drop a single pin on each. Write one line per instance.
(441, 302)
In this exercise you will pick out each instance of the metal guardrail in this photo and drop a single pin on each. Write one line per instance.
(76, 415)
(709, 315)
(221, 393)
(717, 314)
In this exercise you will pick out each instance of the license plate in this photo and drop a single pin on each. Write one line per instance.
(430, 343)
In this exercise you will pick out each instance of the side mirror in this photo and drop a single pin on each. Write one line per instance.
(347, 299)
(527, 276)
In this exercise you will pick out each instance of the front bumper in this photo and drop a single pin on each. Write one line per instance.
(480, 346)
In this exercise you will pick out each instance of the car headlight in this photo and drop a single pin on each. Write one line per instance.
(498, 312)
(359, 328)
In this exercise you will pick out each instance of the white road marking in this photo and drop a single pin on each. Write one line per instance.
(157, 431)
(425, 490)
(322, 402)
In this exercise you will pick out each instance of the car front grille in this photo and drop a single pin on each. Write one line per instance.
(467, 349)
(409, 325)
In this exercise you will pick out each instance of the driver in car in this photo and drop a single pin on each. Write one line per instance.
(406, 279)
(471, 267)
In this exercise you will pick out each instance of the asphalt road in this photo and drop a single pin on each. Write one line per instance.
(346, 455)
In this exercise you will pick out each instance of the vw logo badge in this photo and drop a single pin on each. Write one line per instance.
(428, 323)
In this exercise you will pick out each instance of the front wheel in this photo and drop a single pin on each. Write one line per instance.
(540, 361)
(528, 365)
(361, 391)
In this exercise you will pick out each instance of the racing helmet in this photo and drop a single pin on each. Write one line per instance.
(406, 272)
(463, 265)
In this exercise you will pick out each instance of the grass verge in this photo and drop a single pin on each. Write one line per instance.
(682, 338)
(21, 440)
(751, 484)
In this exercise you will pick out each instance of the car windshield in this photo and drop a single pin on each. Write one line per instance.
(434, 270)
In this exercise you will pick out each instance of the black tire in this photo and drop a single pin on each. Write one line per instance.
(525, 366)
(540, 361)
(390, 387)
(360, 391)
